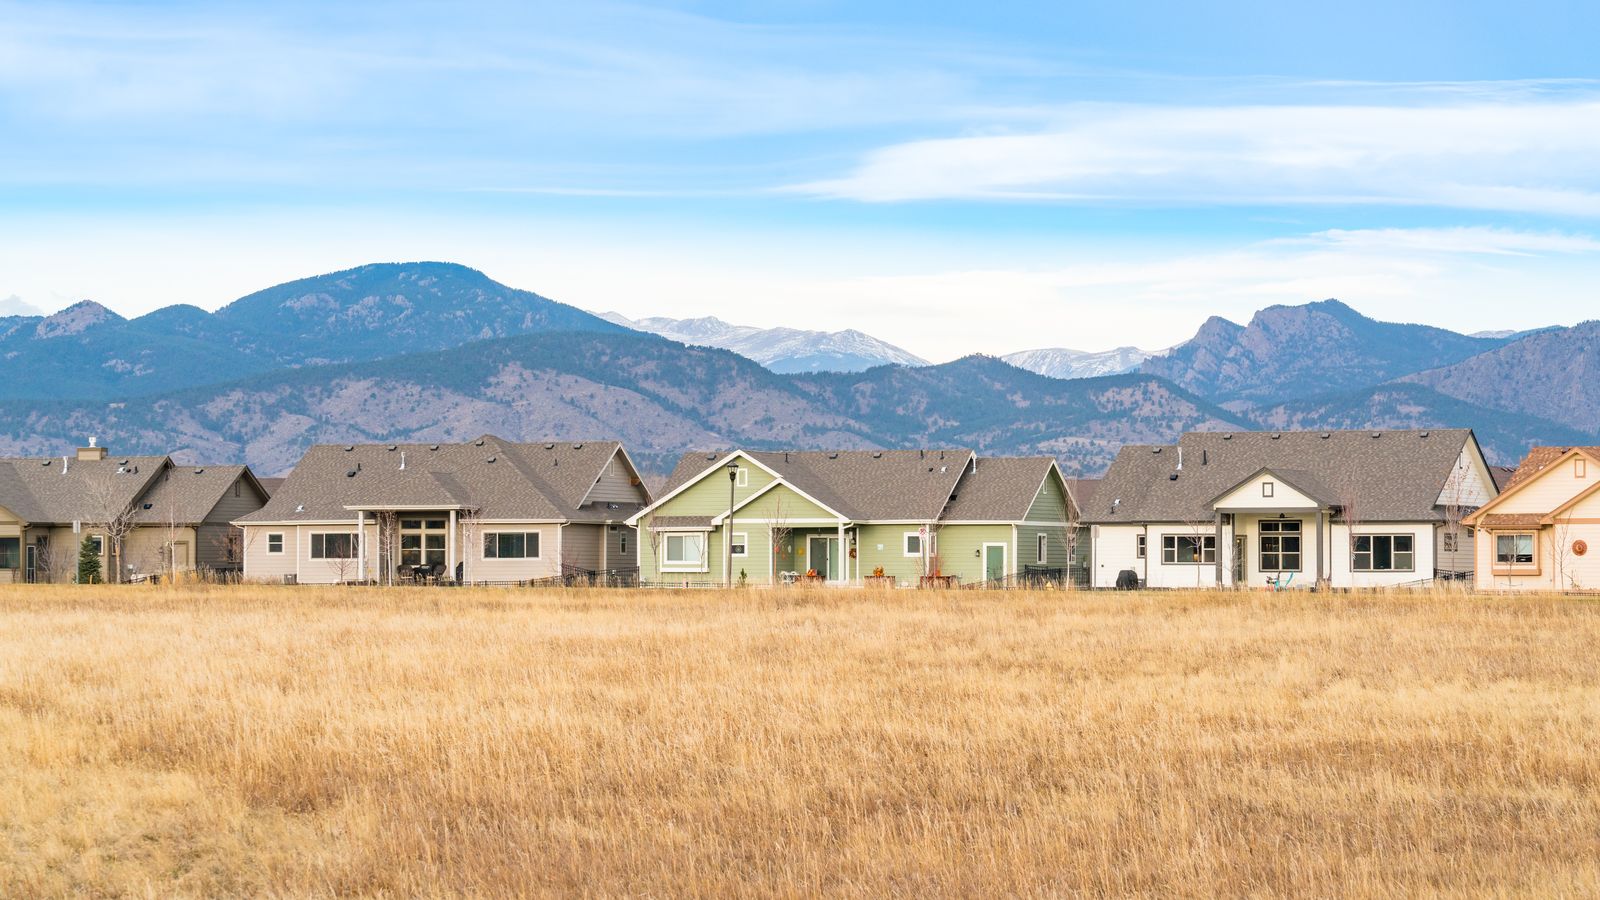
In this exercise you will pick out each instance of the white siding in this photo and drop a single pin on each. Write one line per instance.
(1249, 496)
(1469, 484)
(1113, 548)
(259, 565)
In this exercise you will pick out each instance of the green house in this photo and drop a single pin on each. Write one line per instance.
(912, 517)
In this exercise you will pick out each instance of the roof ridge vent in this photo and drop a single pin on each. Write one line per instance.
(1423, 435)
(1276, 435)
(1227, 437)
(434, 447)
(200, 471)
(1326, 435)
(549, 446)
(577, 446)
(833, 455)
(1155, 449)
(1376, 435)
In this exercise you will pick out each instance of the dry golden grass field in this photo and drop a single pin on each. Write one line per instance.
(207, 741)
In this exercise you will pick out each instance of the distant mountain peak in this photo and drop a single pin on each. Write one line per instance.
(75, 319)
(784, 350)
(1062, 362)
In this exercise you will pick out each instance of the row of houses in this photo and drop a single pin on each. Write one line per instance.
(1342, 509)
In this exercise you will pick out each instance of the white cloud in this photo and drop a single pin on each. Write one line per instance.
(16, 306)
(1532, 155)
(1464, 239)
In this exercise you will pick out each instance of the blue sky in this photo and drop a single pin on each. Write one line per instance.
(989, 177)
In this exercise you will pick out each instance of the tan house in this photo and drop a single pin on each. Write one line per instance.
(1543, 532)
(484, 511)
(147, 515)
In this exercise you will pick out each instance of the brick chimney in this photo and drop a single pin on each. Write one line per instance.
(91, 452)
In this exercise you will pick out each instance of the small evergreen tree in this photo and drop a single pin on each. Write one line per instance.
(88, 562)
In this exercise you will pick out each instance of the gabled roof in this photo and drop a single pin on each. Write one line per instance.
(53, 491)
(185, 495)
(1535, 463)
(1391, 476)
(859, 485)
(498, 479)
(1301, 480)
(1000, 489)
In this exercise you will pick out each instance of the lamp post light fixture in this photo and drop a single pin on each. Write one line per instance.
(733, 479)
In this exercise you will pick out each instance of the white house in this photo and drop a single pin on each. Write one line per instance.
(1289, 509)
(1543, 532)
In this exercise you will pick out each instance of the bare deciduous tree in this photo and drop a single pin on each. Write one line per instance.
(113, 517)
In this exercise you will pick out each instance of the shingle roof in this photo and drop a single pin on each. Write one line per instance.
(48, 491)
(1001, 489)
(861, 485)
(185, 494)
(1083, 490)
(1395, 476)
(270, 485)
(501, 480)
(1540, 457)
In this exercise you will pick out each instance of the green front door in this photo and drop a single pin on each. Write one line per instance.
(994, 562)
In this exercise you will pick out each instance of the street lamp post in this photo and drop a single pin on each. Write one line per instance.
(733, 480)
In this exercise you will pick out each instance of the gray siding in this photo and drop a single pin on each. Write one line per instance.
(622, 547)
(212, 535)
(580, 546)
(619, 484)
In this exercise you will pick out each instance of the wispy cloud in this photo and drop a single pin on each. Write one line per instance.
(1533, 156)
(16, 306)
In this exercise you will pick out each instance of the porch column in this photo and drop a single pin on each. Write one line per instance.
(361, 545)
(844, 557)
(1321, 553)
(450, 546)
(1217, 556)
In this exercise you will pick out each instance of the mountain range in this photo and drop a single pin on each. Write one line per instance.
(779, 349)
(436, 351)
(1060, 362)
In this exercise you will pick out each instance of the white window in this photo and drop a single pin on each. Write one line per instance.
(1180, 550)
(1267, 488)
(98, 541)
(1139, 545)
(685, 550)
(1280, 545)
(511, 545)
(1386, 553)
(275, 543)
(1042, 551)
(1513, 549)
(741, 544)
(913, 543)
(333, 546)
(742, 477)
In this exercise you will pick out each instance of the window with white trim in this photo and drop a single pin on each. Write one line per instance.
(1280, 545)
(1182, 550)
(1386, 553)
(1139, 543)
(275, 542)
(684, 549)
(99, 542)
(1042, 551)
(742, 477)
(913, 543)
(741, 544)
(1513, 549)
(511, 545)
(334, 545)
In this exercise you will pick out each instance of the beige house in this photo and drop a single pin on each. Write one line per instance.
(1543, 532)
(147, 515)
(484, 511)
